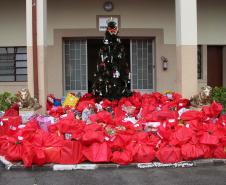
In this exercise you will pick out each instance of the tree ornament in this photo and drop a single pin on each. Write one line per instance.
(102, 57)
(116, 74)
(129, 76)
(106, 41)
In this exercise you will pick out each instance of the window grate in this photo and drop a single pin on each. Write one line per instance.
(13, 64)
(75, 65)
(142, 64)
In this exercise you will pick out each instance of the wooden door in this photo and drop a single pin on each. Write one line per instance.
(215, 66)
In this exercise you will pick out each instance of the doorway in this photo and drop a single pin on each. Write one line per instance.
(215, 66)
(81, 56)
(93, 47)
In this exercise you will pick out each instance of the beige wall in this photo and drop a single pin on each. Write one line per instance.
(211, 22)
(12, 87)
(12, 23)
(66, 14)
(69, 17)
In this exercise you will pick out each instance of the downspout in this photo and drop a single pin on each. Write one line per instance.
(35, 49)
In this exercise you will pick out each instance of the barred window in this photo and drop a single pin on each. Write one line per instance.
(75, 64)
(142, 64)
(199, 62)
(13, 64)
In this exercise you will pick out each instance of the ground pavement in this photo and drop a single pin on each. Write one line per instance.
(202, 175)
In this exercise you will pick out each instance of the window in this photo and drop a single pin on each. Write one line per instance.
(199, 62)
(75, 65)
(13, 64)
(142, 64)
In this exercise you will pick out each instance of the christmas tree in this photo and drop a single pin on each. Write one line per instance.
(112, 78)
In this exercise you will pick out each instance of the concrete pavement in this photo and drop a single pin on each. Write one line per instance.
(205, 175)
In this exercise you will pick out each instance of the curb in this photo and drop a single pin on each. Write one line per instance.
(89, 166)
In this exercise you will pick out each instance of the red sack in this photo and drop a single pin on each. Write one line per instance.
(183, 103)
(192, 115)
(85, 104)
(141, 152)
(123, 157)
(52, 154)
(169, 154)
(11, 124)
(182, 135)
(190, 151)
(56, 112)
(162, 115)
(38, 138)
(51, 140)
(208, 151)
(14, 150)
(71, 153)
(141, 136)
(154, 141)
(220, 152)
(116, 143)
(209, 139)
(90, 137)
(87, 96)
(13, 111)
(39, 156)
(97, 152)
(19, 150)
(3, 145)
(27, 154)
(101, 117)
(215, 109)
(2, 128)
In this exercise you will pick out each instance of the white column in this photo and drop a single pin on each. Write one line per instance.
(186, 41)
(30, 77)
(41, 42)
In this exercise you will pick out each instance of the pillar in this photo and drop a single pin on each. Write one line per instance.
(186, 47)
(41, 50)
(30, 77)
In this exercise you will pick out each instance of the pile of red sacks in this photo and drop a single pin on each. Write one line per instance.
(161, 130)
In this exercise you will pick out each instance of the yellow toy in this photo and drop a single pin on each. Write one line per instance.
(70, 100)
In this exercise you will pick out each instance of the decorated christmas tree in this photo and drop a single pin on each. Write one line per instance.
(112, 78)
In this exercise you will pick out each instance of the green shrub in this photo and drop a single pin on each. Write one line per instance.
(6, 100)
(219, 95)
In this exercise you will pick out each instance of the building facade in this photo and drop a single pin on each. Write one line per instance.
(51, 46)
